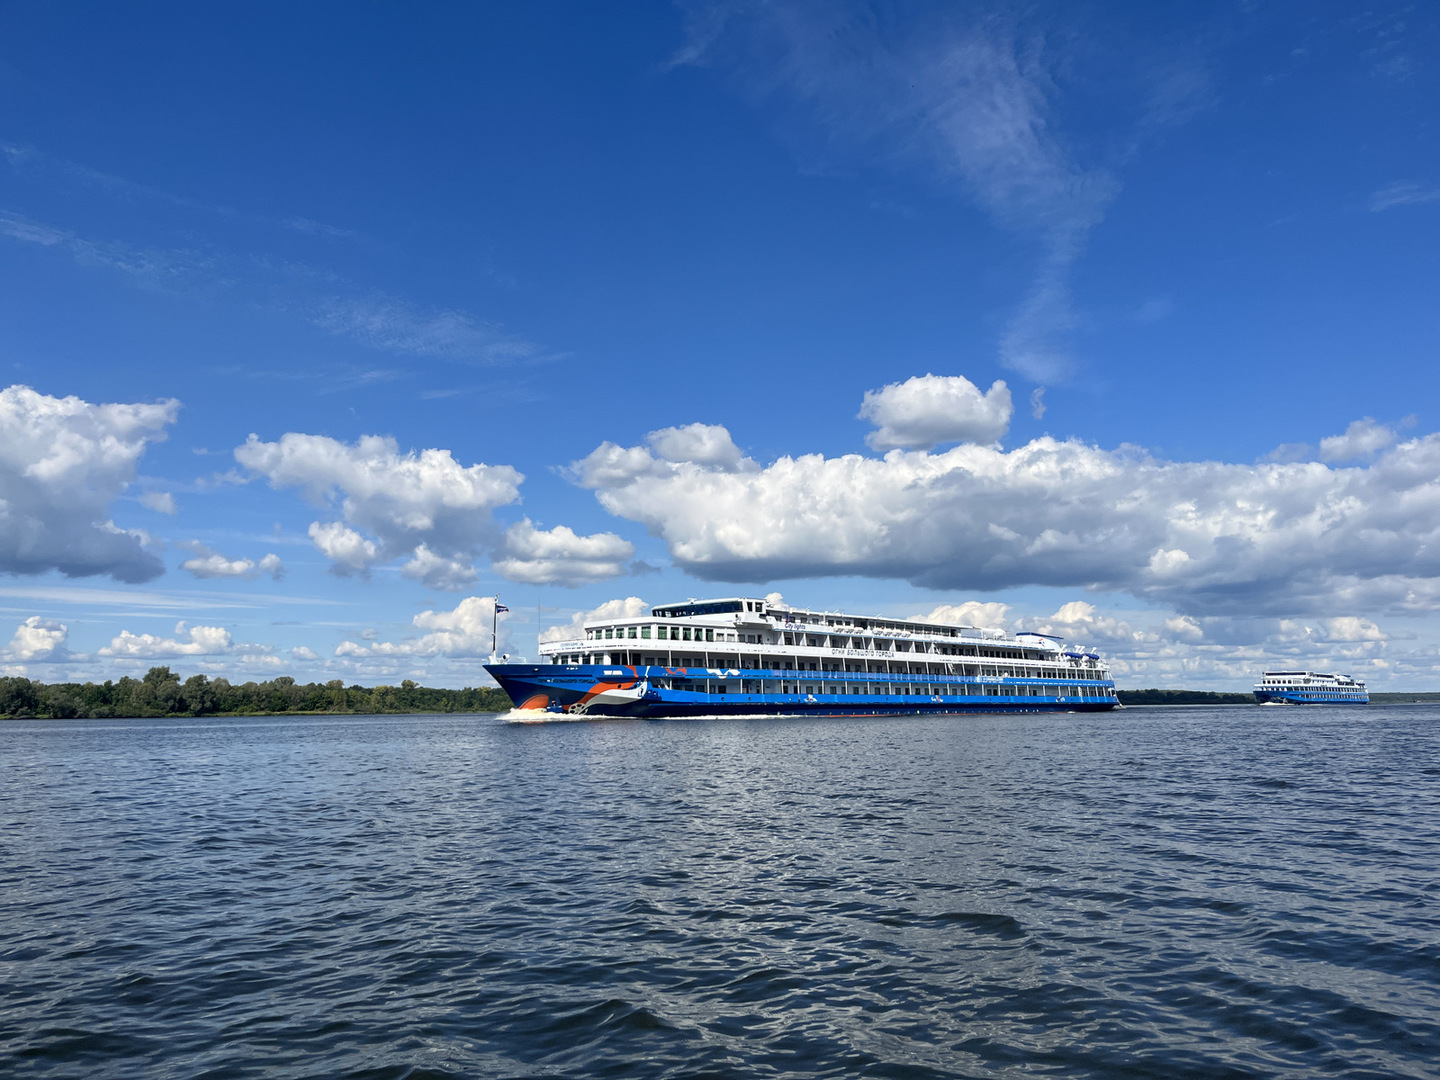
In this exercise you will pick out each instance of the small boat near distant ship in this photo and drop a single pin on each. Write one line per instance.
(743, 656)
(1309, 688)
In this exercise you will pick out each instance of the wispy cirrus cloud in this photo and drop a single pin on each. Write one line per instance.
(966, 98)
(394, 325)
(965, 102)
(1402, 193)
(152, 601)
(148, 266)
(373, 319)
(33, 163)
(321, 297)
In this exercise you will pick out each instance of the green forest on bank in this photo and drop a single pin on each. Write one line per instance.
(1182, 697)
(161, 693)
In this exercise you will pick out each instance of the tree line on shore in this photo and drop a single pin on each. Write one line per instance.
(162, 693)
(1182, 697)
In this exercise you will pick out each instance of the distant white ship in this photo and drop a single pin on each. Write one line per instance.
(1309, 688)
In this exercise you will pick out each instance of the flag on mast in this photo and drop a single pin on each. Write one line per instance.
(499, 608)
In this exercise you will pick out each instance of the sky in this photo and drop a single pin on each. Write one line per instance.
(323, 325)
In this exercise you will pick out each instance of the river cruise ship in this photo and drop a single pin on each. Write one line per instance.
(1309, 688)
(744, 656)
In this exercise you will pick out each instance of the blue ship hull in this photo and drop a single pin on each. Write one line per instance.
(1318, 697)
(661, 692)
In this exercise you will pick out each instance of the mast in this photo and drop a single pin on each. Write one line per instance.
(496, 608)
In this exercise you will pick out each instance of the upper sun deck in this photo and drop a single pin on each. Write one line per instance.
(731, 628)
(754, 611)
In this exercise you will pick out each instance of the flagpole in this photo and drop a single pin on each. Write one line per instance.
(495, 627)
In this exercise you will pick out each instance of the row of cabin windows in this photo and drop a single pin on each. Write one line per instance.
(1309, 686)
(820, 641)
(778, 662)
(662, 633)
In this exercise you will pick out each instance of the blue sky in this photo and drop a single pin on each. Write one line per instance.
(325, 323)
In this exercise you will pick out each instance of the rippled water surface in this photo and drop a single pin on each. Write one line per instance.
(1155, 892)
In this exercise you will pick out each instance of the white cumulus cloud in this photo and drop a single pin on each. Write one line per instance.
(631, 607)
(1185, 628)
(1363, 439)
(429, 509)
(706, 444)
(1342, 629)
(188, 641)
(1204, 537)
(38, 639)
(982, 614)
(1353, 628)
(205, 563)
(348, 551)
(63, 461)
(404, 498)
(463, 631)
(438, 571)
(559, 556)
(1079, 621)
(926, 410)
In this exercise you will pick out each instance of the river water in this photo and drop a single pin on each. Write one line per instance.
(1200, 892)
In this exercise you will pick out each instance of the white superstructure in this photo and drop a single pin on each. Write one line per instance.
(1309, 688)
(747, 646)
